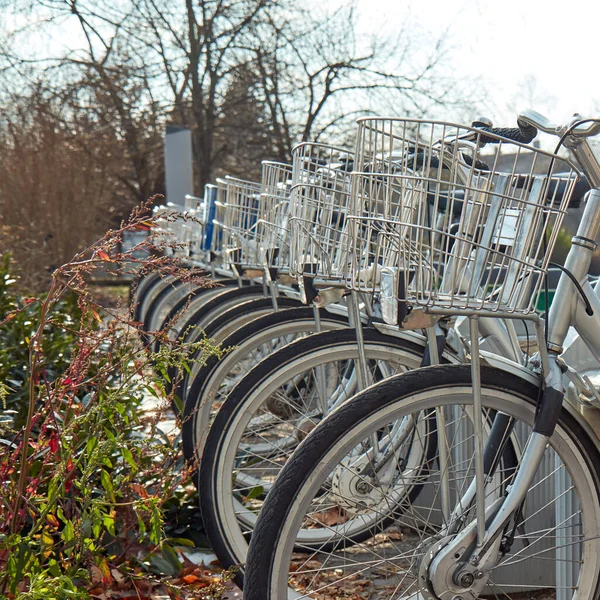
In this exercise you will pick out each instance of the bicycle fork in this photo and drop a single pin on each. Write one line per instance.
(465, 562)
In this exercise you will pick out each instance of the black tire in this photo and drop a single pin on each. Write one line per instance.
(235, 406)
(144, 296)
(337, 429)
(256, 327)
(185, 301)
(221, 303)
(217, 303)
(258, 306)
(141, 282)
(168, 296)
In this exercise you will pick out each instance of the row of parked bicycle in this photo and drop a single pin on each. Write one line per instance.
(399, 414)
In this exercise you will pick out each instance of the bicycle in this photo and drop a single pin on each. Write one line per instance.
(337, 362)
(473, 533)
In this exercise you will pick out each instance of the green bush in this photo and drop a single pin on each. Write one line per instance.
(85, 473)
(19, 315)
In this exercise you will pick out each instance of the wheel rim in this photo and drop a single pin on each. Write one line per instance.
(572, 538)
(237, 518)
(237, 363)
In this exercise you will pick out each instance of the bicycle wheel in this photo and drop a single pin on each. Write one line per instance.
(182, 313)
(223, 326)
(552, 551)
(141, 283)
(144, 297)
(163, 303)
(269, 412)
(216, 306)
(213, 381)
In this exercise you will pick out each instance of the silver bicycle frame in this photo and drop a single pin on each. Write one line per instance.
(568, 310)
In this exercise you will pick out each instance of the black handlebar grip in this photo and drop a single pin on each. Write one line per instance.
(523, 134)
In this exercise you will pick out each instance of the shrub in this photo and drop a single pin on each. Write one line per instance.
(85, 471)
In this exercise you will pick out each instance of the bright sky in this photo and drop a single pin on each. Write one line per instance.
(551, 46)
(526, 53)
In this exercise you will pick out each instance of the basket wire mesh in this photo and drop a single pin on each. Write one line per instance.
(319, 203)
(194, 226)
(217, 241)
(239, 223)
(273, 234)
(452, 214)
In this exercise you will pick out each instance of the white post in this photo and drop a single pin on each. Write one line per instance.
(179, 173)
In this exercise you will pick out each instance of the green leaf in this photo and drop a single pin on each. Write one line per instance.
(110, 435)
(53, 568)
(141, 524)
(47, 539)
(165, 562)
(181, 542)
(155, 525)
(52, 490)
(96, 527)
(128, 457)
(160, 565)
(68, 532)
(178, 403)
(90, 445)
(151, 390)
(107, 485)
(255, 492)
(169, 553)
(109, 523)
(164, 373)
(35, 469)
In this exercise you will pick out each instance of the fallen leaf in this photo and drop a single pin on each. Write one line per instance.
(117, 576)
(96, 574)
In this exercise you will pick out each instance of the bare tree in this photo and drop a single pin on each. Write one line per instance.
(318, 77)
(57, 192)
(306, 72)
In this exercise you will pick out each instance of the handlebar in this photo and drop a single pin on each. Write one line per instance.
(535, 119)
(523, 134)
(573, 136)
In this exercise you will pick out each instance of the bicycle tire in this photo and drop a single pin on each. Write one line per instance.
(216, 469)
(273, 540)
(246, 339)
(223, 326)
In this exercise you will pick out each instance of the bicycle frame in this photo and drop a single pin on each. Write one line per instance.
(483, 536)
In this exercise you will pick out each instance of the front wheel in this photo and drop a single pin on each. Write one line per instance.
(275, 406)
(550, 550)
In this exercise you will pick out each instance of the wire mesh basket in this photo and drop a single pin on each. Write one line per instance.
(192, 202)
(273, 234)
(453, 215)
(194, 226)
(217, 238)
(239, 225)
(319, 203)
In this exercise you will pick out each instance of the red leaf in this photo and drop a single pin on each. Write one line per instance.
(53, 442)
(104, 256)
